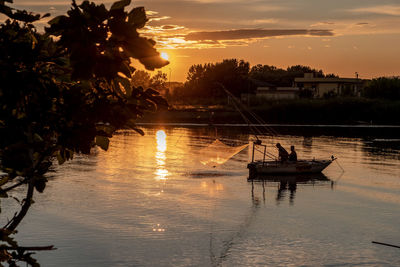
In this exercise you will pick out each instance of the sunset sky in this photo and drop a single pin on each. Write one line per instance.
(341, 37)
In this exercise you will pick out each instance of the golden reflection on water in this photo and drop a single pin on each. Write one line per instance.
(211, 188)
(158, 228)
(161, 141)
(161, 172)
(143, 191)
(372, 194)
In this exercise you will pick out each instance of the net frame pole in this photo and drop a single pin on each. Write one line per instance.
(265, 151)
(252, 156)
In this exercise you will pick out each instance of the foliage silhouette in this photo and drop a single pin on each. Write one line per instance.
(384, 88)
(202, 79)
(63, 97)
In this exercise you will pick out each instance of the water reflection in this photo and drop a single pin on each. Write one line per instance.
(161, 141)
(158, 228)
(139, 205)
(161, 172)
(287, 185)
(307, 141)
(211, 188)
(382, 148)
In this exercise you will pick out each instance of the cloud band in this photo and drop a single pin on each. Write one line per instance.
(252, 33)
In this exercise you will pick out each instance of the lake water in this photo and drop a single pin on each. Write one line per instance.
(148, 201)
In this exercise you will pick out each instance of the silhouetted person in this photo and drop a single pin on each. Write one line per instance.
(283, 154)
(293, 154)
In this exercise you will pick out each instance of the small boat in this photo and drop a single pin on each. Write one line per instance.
(276, 167)
(261, 167)
(273, 167)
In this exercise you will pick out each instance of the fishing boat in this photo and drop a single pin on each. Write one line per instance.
(289, 167)
(276, 167)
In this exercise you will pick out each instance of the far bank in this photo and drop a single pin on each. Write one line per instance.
(358, 114)
(297, 111)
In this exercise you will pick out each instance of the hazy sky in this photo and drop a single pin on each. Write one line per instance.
(337, 36)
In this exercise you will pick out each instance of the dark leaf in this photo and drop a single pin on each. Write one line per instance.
(105, 129)
(153, 62)
(45, 15)
(40, 185)
(120, 4)
(140, 131)
(102, 142)
(132, 125)
(24, 16)
(137, 17)
(56, 20)
(6, 10)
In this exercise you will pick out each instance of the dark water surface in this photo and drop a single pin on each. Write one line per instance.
(149, 202)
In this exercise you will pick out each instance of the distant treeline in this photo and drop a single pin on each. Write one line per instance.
(204, 81)
(383, 88)
(379, 102)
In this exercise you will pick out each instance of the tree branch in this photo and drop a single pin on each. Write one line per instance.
(16, 220)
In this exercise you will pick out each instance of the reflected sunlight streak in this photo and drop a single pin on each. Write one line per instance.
(212, 188)
(161, 172)
(161, 141)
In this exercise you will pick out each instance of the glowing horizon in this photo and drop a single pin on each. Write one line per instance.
(341, 37)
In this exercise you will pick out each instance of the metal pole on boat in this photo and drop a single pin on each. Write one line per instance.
(252, 156)
(265, 151)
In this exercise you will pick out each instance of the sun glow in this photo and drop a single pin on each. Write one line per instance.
(164, 56)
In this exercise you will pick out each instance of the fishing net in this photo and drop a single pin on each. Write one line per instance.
(218, 153)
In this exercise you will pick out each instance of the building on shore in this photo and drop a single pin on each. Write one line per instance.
(322, 86)
(308, 86)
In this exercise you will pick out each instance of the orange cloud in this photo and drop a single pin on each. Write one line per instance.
(252, 33)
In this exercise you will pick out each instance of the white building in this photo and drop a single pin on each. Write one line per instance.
(321, 86)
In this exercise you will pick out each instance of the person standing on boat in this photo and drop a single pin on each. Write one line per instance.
(293, 154)
(283, 154)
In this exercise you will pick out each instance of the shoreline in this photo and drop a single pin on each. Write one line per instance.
(369, 132)
(194, 124)
(341, 112)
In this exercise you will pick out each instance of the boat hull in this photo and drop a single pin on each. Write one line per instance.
(289, 168)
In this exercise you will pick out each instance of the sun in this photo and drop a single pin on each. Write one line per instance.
(164, 56)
